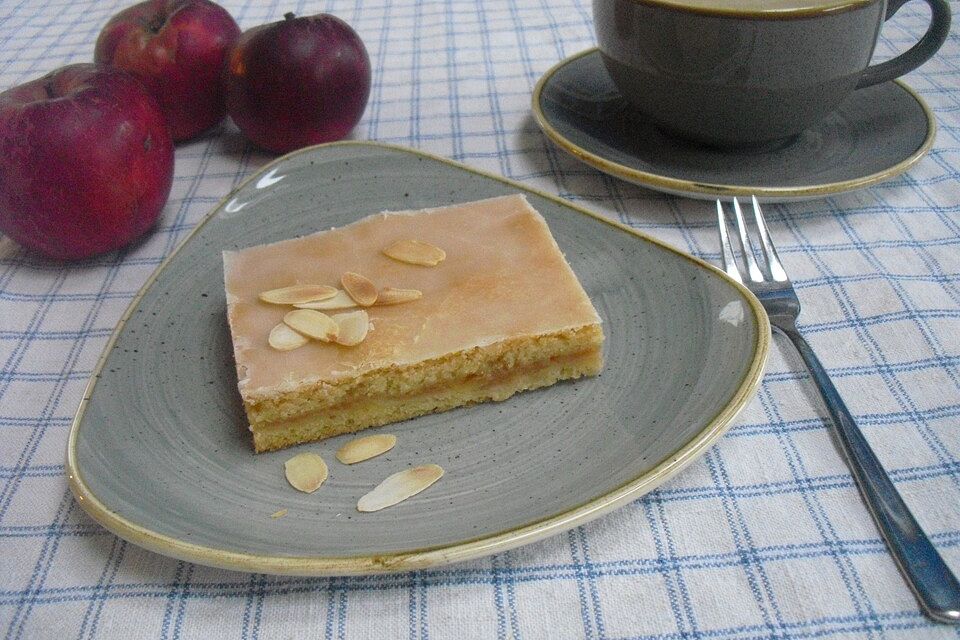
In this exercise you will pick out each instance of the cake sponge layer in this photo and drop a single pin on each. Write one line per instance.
(495, 372)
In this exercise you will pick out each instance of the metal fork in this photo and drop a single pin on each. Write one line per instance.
(934, 585)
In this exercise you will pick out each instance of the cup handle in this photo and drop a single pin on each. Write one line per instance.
(918, 53)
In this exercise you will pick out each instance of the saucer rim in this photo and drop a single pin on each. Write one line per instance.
(689, 188)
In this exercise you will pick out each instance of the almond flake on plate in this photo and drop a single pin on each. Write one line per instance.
(305, 472)
(283, 338)
(365, 448)
(415, 252)
(298, 294)
(313, 324)
(339, 301)
(278, 514)
(389, 295)
(400, 486)
(360, 288)
(352, 327)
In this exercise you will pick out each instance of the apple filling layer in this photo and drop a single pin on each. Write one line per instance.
(492, 373)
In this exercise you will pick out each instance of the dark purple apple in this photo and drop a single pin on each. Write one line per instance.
(297, 82)
(177, 48)
(86, 161)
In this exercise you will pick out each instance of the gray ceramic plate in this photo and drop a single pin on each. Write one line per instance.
(875, 134)
(159, 453)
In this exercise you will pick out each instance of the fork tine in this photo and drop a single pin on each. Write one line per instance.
(769, 249)
(745, 244)
(726, 249)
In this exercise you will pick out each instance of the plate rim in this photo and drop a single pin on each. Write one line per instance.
(441, 554)
(690, 188)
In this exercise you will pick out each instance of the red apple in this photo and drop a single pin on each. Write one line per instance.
(86, 161)
(297, 82)
(177, 49)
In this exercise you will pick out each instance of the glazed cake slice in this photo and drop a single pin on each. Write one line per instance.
(502, 312)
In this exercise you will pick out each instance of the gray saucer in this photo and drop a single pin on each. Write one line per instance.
(876, 134)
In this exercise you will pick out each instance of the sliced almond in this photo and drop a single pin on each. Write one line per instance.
(352, 327)
(305, 472)
(278, 514)
(283, 338)
(399, 487)
(340, 301)
(362, 449)
(313, 324)
(389, 295)
(359, 288)
(416, 252)
(298, 294)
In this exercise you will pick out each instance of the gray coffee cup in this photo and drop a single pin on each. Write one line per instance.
(749, 72)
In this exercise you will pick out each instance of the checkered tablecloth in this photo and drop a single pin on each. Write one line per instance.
(765, 536)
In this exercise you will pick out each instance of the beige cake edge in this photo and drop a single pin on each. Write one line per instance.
(319, 410)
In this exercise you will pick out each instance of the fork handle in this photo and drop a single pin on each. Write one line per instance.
(925, 571)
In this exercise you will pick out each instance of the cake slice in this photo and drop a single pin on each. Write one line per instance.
(499, 311)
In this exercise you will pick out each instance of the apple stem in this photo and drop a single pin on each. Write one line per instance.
(156, 23)
(289, 15)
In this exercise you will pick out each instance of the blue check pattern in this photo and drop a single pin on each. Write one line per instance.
(763, 537)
